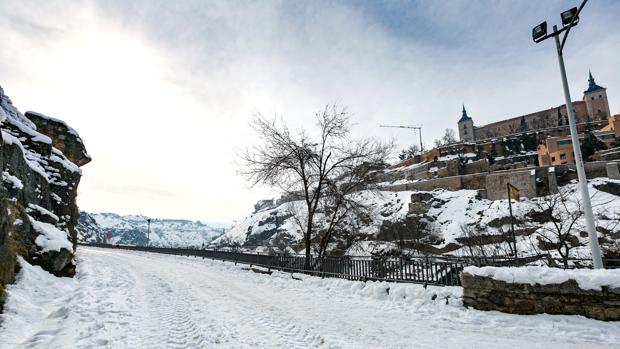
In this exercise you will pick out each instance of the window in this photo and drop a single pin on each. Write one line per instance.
(553, 158)
(592, 98)
(562, 156)
(599, 96)
(564, 142)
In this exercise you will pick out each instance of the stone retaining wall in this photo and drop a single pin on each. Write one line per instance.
(484, 293)
(494, 183)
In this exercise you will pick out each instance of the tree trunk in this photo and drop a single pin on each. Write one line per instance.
(308, 238)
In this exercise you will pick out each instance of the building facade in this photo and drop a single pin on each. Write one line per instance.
(593, 108)
(559, 150)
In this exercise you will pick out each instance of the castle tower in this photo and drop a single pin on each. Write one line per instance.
(466, 128)
(596, 101)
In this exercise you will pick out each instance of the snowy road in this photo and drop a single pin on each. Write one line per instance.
(123, 299)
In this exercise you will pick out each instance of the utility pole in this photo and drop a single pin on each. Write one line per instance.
(418, 128)
(570, 18)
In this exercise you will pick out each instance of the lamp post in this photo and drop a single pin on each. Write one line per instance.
(570, 18)
(148, 231)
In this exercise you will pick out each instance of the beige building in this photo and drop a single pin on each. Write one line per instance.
(592, 109)
(559, 150)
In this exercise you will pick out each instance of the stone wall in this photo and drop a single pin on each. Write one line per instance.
(478, 166)
(525, 181)
(613, 171)
(474, 181)
(484, 293)
(494, 183)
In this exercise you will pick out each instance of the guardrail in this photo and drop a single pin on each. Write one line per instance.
(423, 270)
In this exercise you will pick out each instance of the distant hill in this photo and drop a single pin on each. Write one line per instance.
(132, 230)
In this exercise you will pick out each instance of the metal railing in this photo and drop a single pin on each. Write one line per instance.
(433, 270)
(439, 270)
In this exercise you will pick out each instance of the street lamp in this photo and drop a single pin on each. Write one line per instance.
(570, 18)
(148, 231)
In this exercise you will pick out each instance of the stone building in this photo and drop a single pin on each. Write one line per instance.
(559, 150)
(592, 109)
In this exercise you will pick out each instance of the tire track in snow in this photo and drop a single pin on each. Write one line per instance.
(262, 315)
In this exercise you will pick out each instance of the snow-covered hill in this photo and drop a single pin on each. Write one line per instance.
(442, 221)
(133, 229)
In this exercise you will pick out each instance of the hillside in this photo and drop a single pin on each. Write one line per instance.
(132, 230)
(441, 221)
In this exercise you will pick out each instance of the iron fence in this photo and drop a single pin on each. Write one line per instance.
(423, 270)
(439, 270)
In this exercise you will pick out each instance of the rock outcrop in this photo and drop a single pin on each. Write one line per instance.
(38, 192)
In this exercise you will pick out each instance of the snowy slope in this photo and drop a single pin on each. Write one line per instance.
(278, 229)
(124, 299)
(448, 211)
(132, 230)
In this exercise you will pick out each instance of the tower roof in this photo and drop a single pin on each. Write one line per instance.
(464, 117)
(592, 86)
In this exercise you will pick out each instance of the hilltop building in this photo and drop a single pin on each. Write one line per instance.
(592, 109)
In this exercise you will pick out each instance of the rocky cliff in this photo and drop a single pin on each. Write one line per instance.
(39, 162)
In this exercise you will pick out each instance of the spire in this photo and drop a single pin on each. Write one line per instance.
(464, 117)
(592, 86)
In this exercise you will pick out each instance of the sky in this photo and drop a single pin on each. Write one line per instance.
(162, 92)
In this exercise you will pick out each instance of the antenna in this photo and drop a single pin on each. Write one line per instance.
(416, 127)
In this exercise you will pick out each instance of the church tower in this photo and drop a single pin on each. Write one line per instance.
(596, 101)
(466, 128)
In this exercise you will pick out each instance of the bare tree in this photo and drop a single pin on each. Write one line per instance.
(409, 153)
(484, 247)
(323, 171)
(559, 227)
(448, 137)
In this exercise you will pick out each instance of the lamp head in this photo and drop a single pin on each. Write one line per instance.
(567, 17)
(539, 32)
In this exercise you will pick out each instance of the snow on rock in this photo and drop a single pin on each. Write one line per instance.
(50, 238)
(40, 211)
(445, 214)
(41, 181)
(31, 158)
(277, 228)
(64, 138)
(587, 279)
(15, 182)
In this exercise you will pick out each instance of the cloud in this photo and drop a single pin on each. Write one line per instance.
(162, 91)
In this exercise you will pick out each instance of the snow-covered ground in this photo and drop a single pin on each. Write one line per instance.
(123, 299)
